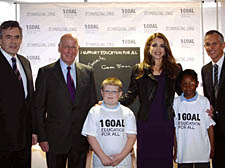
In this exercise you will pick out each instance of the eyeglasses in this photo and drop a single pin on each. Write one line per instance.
(111, 92)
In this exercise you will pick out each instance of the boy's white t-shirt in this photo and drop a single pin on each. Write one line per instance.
(110, 127)
(192, 122)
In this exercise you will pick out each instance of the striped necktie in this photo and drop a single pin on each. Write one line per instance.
(15, 69)
(216, 83)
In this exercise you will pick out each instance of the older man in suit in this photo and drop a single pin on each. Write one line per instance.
(65, 91)
(213, 78)
(16, 91)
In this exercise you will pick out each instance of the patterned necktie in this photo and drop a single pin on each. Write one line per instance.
(15, 69)
(70, 83)
(216, 83)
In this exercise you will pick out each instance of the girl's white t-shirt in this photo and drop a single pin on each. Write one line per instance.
(192, 122)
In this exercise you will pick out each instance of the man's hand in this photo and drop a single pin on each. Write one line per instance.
(210, 111)
(34, 139)
(44, 146)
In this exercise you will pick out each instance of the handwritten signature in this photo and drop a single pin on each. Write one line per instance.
(99, 59)
(106, 67)
(118, 66)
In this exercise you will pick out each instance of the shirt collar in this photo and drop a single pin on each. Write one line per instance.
(64, 65)
(115, 107)
(191, 99)
(8, 56)
(219, 62)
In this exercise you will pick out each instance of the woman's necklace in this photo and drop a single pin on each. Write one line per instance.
(156, 70)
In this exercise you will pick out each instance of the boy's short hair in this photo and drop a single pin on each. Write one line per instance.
(112, 81)
(189, 72)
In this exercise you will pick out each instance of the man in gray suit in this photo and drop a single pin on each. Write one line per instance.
(213, 78)
(16, 92)
(65, 91)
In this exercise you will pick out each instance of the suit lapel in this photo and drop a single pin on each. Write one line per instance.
(60, 80)
(8, 74)
(222, 76)
(25, 69)
(208, 78)
(80, 76)
(4, 62)
(78, 73)
(7, 67)
(59, 73)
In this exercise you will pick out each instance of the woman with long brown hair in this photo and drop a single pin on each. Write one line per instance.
(154, 82)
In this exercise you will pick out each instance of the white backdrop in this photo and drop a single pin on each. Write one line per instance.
(111, 25)
(221, 16)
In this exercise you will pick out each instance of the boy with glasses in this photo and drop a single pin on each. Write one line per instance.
(111, 128)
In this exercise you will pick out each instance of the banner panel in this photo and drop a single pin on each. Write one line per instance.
(111, 25)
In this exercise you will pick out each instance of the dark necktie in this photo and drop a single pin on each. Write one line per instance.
(216, 83)
(15, 69)
(70, 83)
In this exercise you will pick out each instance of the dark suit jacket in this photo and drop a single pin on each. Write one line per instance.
(59, 120)
(207, 73)
(15, 113)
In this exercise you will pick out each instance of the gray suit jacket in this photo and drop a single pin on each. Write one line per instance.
(59, 119)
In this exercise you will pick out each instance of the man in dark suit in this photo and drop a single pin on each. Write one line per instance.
(16, 91)
(213, 78)
(65, 91)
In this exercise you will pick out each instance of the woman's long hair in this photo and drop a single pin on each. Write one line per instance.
(169, 66)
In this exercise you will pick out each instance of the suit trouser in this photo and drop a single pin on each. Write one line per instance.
(75, 159)
(16, 159)
(219, 158)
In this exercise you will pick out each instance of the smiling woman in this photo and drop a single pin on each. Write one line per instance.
(154, 82)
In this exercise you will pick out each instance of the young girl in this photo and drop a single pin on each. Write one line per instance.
(194, 128)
